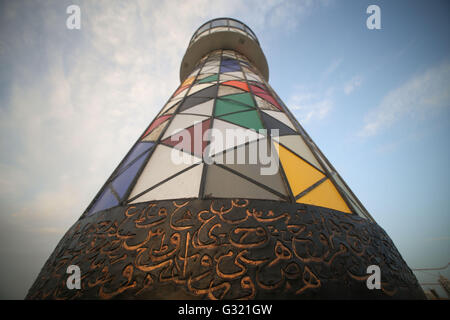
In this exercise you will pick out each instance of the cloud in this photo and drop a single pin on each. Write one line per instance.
(336, 63)
(289, 13)
(352, 84)
(423, 94)
(310, 105)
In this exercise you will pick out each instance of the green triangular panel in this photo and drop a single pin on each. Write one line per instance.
(248, 119)
(210, 79)
(244, 98)
(224, 107)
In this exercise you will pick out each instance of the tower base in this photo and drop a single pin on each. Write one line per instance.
(225, 249)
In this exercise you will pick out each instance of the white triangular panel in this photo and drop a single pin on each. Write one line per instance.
(199, 87)
(185, 185)
(205, 75)
(231, 76)
(220, 142)
(264, 104)
(252, 76)
(180, 122)
(163, 163)
(210, 69)
(226, 90)
(170, 104)
(205, 108)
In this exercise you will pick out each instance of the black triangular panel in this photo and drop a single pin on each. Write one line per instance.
(272, 123)
(209, 92)
(192, 101)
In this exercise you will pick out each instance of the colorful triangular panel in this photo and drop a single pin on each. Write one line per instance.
(300, 174)
(188, 81)
(238, 84)
(297, 145)
(226, 106)
(180, 93)
(122, 182)
(265, 95)
(247, 119)
(105, 201)
(156, 132)
(138, 150)
(244, 98)
(212, 78)
(263, 104)
(156, 123)
(229, 65)
(325, 195)
(190, 140)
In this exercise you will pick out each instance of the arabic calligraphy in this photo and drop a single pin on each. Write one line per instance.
(220, 249)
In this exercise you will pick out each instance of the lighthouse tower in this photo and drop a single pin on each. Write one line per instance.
(225, 196)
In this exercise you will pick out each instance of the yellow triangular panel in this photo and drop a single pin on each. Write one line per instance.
(300, 174)
(188, 81)
(325, 195)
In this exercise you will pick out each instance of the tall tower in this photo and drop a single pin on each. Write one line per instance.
(225, 196)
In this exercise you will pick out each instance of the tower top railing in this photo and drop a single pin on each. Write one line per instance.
(227, 34)
(223, 24)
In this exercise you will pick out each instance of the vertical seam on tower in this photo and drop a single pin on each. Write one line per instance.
(201, 191)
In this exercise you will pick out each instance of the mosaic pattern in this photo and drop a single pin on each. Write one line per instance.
(225, 92)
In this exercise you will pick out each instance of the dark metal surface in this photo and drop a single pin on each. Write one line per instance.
(225, 249)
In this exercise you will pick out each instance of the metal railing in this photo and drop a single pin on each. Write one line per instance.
(229, 24)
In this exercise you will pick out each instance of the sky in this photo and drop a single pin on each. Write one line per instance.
(73, 102)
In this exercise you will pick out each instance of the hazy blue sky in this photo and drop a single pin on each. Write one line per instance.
(72, 102)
